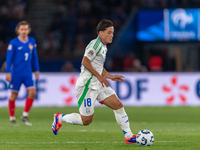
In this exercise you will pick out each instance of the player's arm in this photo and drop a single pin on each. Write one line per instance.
(35, 62)
(118, 78)
(87, 64)
(9, 57)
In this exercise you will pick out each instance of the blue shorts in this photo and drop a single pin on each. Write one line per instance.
(16, 82)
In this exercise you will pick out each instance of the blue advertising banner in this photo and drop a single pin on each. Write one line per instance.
(181, 24)
(168, 25)
(150, 25)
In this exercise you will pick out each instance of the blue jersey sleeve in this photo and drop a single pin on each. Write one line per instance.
(9, 56)
(35, 57)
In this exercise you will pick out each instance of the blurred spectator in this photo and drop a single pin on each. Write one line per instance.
(67, 49)
(79, 48)
(188, 68)
(68, 67)
(3, 48)
(172, 3)
(3, 67)
(84, 6)
(60, 8)
(117, 63)
(155, 63)
(137, 66)
(147, 3)
(128, 61)
(50, 44)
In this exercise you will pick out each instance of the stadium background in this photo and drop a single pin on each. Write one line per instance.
(159, 71)
(144, 51)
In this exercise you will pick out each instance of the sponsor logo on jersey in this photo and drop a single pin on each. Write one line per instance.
(90, 53)
(9, 47)
(19, 48)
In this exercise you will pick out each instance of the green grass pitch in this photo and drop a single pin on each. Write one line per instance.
(174, 128)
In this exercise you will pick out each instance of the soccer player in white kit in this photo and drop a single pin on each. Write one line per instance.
(93, 85)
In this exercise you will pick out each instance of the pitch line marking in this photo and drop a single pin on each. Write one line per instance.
(91, 131)
(72, 142)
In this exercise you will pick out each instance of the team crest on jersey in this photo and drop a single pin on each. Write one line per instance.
(31, 46)
(90, 53)
(9, 47)
(11, 86)
(87, 110)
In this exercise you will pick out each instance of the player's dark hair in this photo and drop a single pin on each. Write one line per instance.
(103, 25)
(22, 23)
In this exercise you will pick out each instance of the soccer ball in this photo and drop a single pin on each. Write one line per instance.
(145, 138)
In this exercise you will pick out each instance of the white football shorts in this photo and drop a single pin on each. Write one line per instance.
(87, 97)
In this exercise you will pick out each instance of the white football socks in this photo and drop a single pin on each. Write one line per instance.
(12, 118)
(122, 120)
(25, 114)
(73, 118)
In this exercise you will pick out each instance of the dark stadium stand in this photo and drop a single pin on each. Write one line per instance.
(63, 28)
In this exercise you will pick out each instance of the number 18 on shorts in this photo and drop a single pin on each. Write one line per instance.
(86, 99)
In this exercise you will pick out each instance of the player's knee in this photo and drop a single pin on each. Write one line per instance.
(13, 96)
(87, 121)
(119, 105)
(32, 94)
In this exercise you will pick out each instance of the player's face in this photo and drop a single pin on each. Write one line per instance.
(107, 35)
(23, 30)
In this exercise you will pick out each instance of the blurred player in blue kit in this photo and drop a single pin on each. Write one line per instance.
(93, 85)
(21, 52)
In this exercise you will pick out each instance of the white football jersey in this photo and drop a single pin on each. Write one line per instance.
(96, 53)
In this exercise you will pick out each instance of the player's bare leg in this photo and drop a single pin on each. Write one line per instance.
(28, 105)
(113, 102)
(121, 117)
(87, 119)
(11, 107)
(31, 92)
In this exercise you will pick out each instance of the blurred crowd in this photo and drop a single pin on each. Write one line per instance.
(152, 61)
(74, 22)
(159, 4)
(74, 25)
(11, 12)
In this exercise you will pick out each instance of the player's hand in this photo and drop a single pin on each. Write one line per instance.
(8, 77)
(118, 78)
(103, 81)
(37, 74)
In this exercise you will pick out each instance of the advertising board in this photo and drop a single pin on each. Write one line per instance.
(139, 89)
